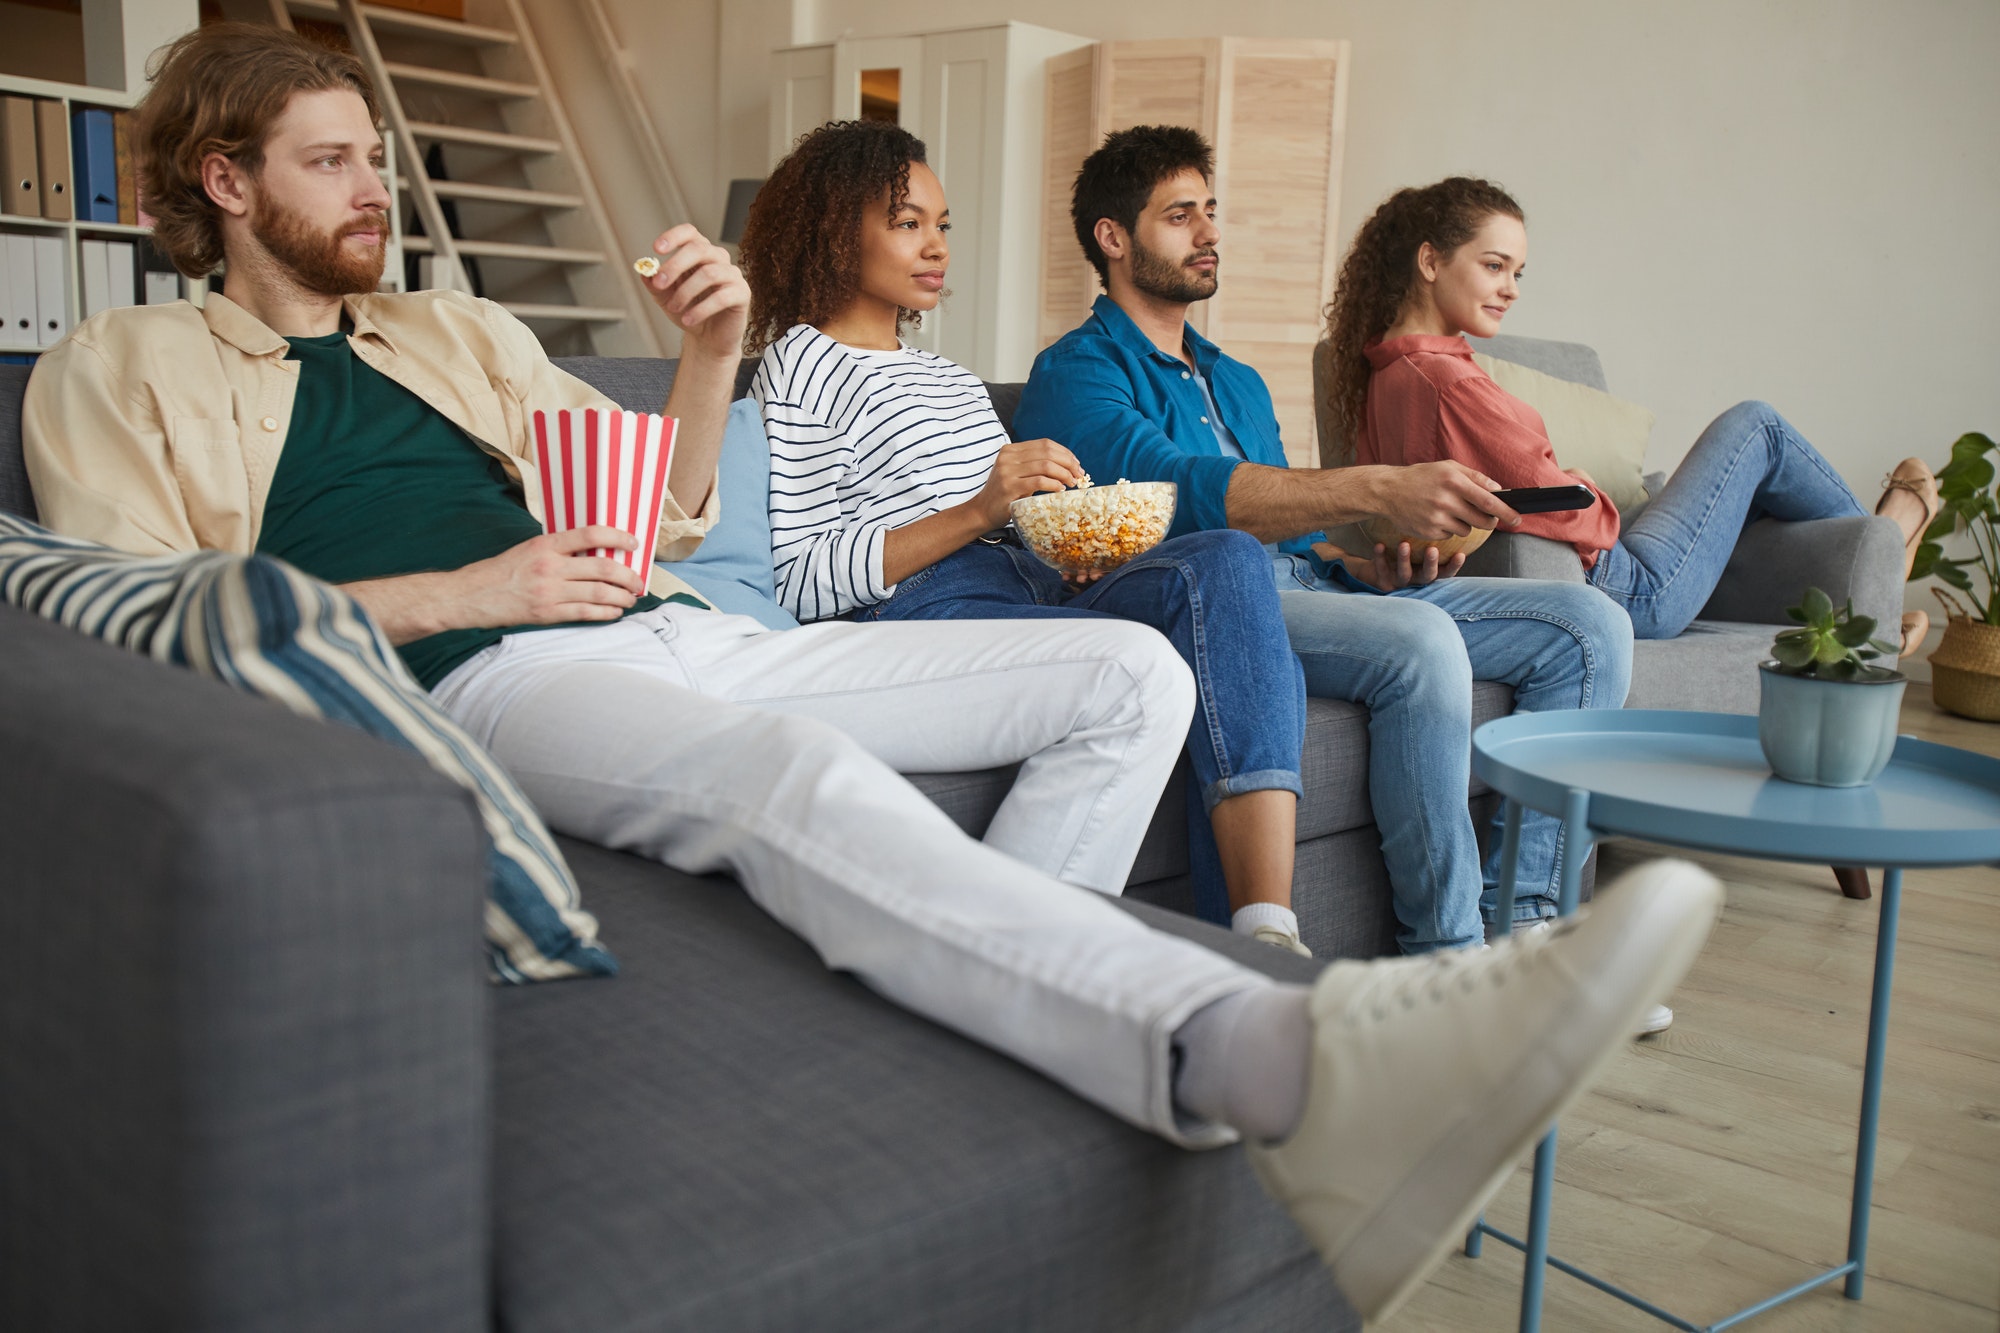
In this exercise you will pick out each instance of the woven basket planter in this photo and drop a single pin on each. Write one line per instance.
(1965, 669)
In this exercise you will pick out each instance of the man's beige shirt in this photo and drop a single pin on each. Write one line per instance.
(157, 429)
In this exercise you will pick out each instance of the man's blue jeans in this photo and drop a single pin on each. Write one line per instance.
(1410, 658)
(1749, 464)
(1210, 593)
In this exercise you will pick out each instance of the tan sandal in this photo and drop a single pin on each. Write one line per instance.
(1915, 476)
(1916, 625)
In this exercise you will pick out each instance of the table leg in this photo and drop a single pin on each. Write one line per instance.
(1503, 919)
(1538, 1233)
(1569, 886)
(1575, 849)
(1871, 1080)
(1510, 862)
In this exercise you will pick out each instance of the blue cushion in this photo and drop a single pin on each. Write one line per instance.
(732, 567)
(263, 627)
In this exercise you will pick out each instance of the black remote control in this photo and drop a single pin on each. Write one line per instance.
(1547, 499)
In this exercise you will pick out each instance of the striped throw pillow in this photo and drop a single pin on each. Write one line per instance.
(263, 627)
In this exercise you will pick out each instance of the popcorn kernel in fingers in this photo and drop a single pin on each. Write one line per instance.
(645, 266)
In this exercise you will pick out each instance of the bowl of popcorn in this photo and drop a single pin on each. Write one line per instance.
(1094, 529)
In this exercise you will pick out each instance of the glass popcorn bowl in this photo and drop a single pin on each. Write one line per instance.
(1095, 529)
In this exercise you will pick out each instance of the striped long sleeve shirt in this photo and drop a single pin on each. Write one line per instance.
(862, 442)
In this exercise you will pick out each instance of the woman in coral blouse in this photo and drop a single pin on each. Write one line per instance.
(1436, 263)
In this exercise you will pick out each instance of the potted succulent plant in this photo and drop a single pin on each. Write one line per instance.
(1965, 669)
(1826, 715)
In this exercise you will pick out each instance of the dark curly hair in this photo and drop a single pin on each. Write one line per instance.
(219, 89)
(1380, 268)
(802, 239)
(1119, 178)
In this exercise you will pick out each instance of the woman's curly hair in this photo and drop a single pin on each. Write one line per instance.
(1380, 269)
(802, 239)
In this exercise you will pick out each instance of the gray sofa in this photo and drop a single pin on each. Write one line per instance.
(252, 1077)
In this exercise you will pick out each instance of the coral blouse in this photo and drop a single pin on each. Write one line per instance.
(1428, 400)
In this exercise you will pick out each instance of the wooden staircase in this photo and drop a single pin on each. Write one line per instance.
(531, 232)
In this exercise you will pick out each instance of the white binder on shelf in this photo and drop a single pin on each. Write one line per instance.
(94, 257)
(51, 291)
(17, 252)
(124, 263)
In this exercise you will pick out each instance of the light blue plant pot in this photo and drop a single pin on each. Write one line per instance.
(1830, 733)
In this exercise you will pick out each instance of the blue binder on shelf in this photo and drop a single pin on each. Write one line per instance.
(95, 179)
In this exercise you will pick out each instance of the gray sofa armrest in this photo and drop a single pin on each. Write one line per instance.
(1514, 555)
(1775, 562)
(244, 1047)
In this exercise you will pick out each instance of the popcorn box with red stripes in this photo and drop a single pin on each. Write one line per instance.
(604, 466)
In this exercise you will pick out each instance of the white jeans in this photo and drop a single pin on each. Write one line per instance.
(709, 743)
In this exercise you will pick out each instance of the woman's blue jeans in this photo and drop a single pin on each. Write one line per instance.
(1210, 593)
(1749, 464)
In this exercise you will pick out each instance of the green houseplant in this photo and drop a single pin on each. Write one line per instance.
(1965, 669)
(1827, 715)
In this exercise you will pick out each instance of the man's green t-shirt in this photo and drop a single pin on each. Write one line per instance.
(375, 482)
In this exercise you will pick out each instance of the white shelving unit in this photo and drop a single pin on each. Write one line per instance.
(118, 37)
(70, 231)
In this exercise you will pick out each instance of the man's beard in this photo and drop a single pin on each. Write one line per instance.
(1158, 276)
(320, 261)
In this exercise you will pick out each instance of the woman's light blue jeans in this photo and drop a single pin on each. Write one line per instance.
(1210, 593)
(1749, 464)
(1410, 658)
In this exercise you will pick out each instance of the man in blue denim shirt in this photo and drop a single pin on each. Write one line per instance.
(1137, 394)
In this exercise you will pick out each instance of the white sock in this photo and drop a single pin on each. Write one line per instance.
(1245, 920)
(1244, 1060)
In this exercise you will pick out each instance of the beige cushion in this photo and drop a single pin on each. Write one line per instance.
(1590, 429)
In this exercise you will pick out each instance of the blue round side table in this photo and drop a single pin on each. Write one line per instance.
(1699, 780)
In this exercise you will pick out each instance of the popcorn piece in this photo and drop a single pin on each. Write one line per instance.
(645, 266)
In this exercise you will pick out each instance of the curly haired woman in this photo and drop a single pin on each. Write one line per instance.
(1435, 263)
(891, 478)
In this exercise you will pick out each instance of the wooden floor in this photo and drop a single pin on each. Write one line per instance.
(1711, 1167)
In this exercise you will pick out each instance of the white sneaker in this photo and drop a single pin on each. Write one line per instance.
(1279, 937)
(1433, 1075)
(1658, 1018)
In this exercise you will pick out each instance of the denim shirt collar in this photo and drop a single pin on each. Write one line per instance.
(1121, 329)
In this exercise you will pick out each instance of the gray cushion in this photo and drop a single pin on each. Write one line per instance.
(1516, 555)
(15, 497)
(1774, 563)
(1711, 666)
(729, 1137)
(1576, 362)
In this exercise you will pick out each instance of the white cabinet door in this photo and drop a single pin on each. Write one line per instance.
(963, 125)
(801, 94)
